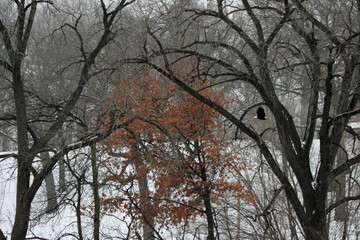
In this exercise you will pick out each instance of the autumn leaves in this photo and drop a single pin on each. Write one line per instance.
(171, 164)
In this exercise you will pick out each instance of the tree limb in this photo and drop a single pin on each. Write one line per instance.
(7, 41)
(272, 201)
(2, 236)
(290, 192)
(345, 115)
(255, 20)
(6, 65)
(36, 2)
(345, 166)
(341, 201)
(77, 145)
(321, 26)
(231, 24)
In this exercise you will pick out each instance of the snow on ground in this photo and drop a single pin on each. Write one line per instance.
(62, 224)
(7, 193)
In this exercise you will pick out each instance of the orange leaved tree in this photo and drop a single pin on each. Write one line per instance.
(170, 164)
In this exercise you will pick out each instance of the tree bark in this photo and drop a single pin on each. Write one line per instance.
(24, 160)
(16, 46)
(2, 236)
(206, 196)
(145, 204)
(50, 186)
(78, 205)
(62, 182)
(95, 187)
(62, 177)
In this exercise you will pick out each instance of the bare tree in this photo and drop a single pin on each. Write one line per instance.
(272, 47)
(15, 37)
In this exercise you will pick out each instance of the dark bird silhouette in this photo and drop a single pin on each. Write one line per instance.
(261, 114)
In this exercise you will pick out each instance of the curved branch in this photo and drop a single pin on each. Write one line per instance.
(241, 75)
(231, 24)
(272, 201)
(345, 166)
(235, 50)
(341, 201)
(7, 41)
(259, 30)
(29, 24)
(180, 203)
(36, 2)
(278, 26)
(38, 179)
(84, 78)
(2, 236)
(321, 26)
(288, 134)
(6, 65)
(345, 115)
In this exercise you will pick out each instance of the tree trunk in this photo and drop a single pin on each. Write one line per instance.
(339, 184)
(15, 41)
(63, 141)
(95, 187)
(238, 220)
(148, 222)
(24, 161)
(206, 197)
(2, 236)
(21, 223)
(209, 214)
(78, 206)
(50, 186)
(62, 182)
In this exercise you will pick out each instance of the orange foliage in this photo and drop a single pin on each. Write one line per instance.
(175, 143)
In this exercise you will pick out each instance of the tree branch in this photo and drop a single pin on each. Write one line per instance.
(345, 166)
(290, 192)
(29, 25)
(2, 236)
(278, 26)
(231, 24)
(6, 65)
(272, 201)
(84, 78)
(7, 41)
(36, 2)
(345, 115)
(321, 26)
(244, 59)
(92, 139)
(341, 201)
(255, 20)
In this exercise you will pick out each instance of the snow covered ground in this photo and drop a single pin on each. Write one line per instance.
(62, 224)
(7, 193)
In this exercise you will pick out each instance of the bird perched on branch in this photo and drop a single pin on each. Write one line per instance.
(260, 114)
